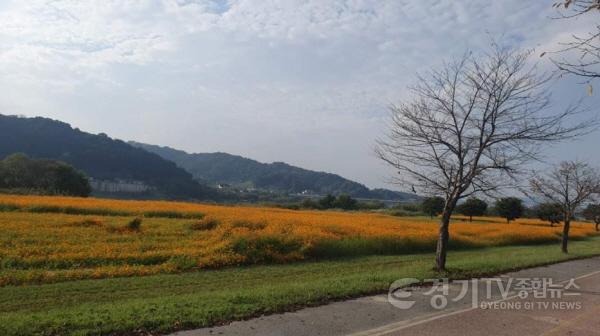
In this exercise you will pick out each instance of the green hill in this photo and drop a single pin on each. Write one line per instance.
(241, 172)
(110, 161)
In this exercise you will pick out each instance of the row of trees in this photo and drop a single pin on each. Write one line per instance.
(343, 201)
(554, 213)
(472, 125)
(570, 185)
(511, 208)
(20, 173)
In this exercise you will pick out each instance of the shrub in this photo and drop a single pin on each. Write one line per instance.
(289, 206)
(402, 213)
(412, 207)
(406, 209)
(345, 202)
(472, 207)
(135, 224)
(183, 263)
(268, 249)
(432, 206)
(173, 214)
(6, 207)
(10, 263)
(310, 204)
(592, 212)
(249, 225)
(550, 212)
(205, 224)
(370, 205)
(327, 202)
(510, 208)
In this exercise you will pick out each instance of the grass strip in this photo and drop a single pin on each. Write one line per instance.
(70, 210)
(165, 303)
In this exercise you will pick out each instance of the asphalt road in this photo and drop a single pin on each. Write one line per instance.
(491, 307)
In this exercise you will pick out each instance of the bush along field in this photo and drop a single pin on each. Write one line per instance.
(53, 239)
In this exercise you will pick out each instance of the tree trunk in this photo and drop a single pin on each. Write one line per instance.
(565, 236)
(442, 244)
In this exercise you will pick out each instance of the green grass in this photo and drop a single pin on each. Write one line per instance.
(73, 210)
(166, 303)
(173, 214)
(7, 207)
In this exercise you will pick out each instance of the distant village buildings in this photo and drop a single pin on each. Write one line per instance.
(119, 186)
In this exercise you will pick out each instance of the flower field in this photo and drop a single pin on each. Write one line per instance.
(50, 239)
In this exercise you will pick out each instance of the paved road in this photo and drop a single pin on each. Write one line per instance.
(576, 312)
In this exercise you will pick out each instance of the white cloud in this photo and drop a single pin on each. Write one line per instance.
(305, 82)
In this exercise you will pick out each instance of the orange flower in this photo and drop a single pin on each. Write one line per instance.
(38, 246)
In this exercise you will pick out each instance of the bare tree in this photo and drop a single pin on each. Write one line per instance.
(470, 126)
(592, 212)
(581, 55)
(570, 184)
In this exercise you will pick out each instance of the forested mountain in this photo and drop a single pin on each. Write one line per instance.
(99, 156)
(219, 168)
(168, 173)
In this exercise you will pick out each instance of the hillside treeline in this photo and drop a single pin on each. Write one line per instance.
(19, 173)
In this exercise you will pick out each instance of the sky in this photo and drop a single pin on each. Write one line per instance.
(305, 82)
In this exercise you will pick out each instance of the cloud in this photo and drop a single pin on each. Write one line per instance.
(307, 82)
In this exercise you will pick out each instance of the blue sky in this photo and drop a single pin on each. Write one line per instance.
(305, 82)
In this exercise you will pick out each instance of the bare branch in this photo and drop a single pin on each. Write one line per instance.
(580, 55)
(570, 184)
(471, 126)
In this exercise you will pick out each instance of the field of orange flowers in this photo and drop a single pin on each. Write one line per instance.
(49, 239)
